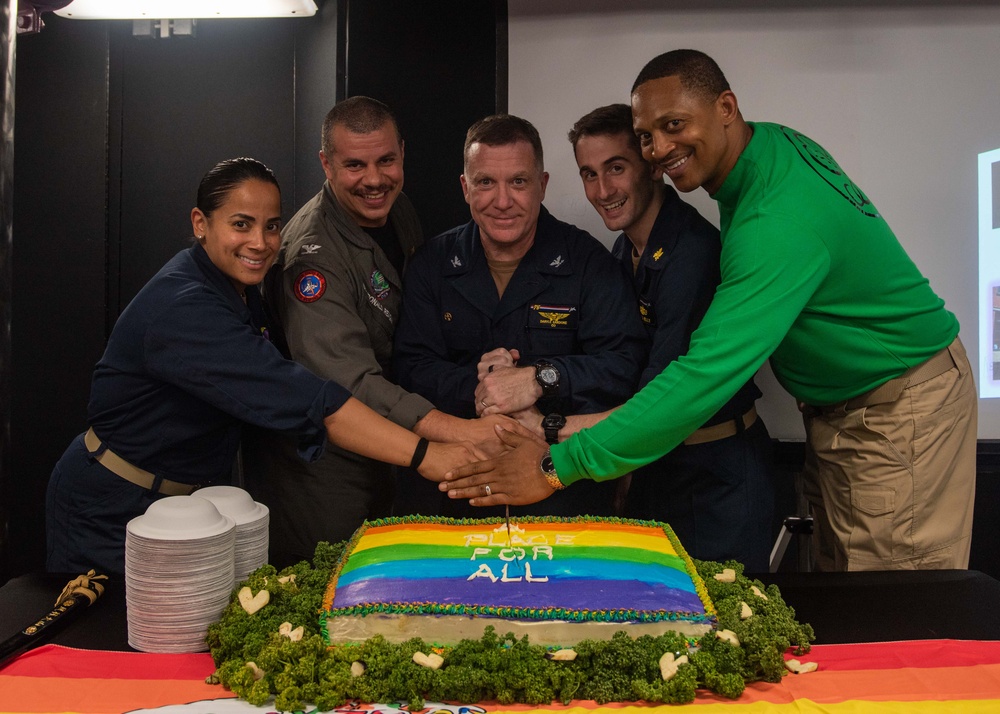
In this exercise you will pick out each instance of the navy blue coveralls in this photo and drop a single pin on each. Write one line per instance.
(186, 364)
(718, 496)
(567, 302)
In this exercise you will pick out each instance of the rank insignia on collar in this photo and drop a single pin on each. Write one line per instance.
(557, 317)
(658, 254)
(380, 286)
(456, 262)
(310, 249)
(557, 262)
(310, 286)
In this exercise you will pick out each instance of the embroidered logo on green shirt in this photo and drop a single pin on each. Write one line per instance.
(829, 170)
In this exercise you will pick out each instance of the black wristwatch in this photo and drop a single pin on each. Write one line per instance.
(547, 377)
(551, 424)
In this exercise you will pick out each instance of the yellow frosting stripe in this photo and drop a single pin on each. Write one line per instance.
(585, 534)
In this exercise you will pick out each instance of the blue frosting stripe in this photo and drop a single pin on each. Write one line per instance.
(585, 595)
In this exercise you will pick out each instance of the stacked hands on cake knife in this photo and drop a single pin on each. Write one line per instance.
(417, 608)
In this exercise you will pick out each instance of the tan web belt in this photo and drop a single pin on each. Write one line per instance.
(889, 392)
(120, 467)
(723, 430)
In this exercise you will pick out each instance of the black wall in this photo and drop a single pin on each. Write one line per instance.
(59, 272)
(8, 25)
(440, 87)
(113, 133)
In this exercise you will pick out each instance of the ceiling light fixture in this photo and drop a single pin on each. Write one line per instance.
(165, 9)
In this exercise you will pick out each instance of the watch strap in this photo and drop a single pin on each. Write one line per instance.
(550, 473)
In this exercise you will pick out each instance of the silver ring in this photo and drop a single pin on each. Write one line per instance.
(489, 491)
(485, 405)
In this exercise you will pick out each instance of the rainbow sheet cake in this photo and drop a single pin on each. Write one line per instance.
(558, 580)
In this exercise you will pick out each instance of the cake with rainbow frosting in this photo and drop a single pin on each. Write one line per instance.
(557, 580)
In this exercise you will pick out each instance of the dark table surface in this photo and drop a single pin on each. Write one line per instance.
(841, 607)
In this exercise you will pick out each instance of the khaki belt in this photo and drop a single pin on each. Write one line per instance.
(120, 467)
(890, 391)
(723, 430)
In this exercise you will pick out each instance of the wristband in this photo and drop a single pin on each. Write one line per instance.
(419, 453)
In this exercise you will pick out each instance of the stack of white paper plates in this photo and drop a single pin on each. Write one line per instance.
(179, 559)
(251, 525)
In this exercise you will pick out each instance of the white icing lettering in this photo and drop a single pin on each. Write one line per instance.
(502, 528)
(505, 579)
(483, 572)
(512, 549)
(511, 554)
(500, 539)
(527, 575)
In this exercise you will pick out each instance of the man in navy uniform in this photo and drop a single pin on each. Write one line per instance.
(716, 488)
(516, 312)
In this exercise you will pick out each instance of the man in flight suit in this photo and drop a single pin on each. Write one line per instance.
(335, 289)
(516, 308)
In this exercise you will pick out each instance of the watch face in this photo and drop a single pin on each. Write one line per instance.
(546, 465)
(554, 421)
(548, 375)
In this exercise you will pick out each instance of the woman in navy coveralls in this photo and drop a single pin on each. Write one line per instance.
(187, 363)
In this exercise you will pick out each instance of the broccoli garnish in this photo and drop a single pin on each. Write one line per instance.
(493, 667)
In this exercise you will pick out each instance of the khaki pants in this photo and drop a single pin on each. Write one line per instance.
(891, 485)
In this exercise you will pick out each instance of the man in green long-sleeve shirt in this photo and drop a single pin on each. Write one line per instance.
(814, 279)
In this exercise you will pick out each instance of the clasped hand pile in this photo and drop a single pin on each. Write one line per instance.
(511, 476)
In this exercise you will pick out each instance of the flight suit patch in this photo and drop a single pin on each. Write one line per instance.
(310, 286)
(557, 317)
(380, 286)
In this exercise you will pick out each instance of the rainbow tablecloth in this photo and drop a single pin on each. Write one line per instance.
(922, 677)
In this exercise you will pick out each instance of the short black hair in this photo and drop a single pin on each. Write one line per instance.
(697, 72)
(227, 175)
(503, 130)
(359, 115)
(611, 120)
